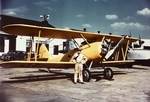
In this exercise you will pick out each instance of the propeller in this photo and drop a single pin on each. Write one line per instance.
(112, 50)
(140, 41)
(130, 33)
(105, 46)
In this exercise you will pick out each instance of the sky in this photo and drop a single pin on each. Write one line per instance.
(119, 17)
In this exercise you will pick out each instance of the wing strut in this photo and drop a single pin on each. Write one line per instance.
(76, 42)
(30, 50)
(126, 50)
(91, 63)
(37, 48)
(85, 40)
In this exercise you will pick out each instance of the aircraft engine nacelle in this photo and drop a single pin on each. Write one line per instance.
(93, 52)
(106, 46)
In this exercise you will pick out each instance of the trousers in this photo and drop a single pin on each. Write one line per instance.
(78, 72)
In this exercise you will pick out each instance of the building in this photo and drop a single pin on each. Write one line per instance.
(10, 42)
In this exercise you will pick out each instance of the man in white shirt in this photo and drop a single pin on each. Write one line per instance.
(79, 59)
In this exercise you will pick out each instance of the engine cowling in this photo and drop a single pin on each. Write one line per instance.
(94, 51)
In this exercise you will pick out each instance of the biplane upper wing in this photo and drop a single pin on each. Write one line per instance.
(47, 32)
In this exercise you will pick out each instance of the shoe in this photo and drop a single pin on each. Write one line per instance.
(75, 83)
(81, 82)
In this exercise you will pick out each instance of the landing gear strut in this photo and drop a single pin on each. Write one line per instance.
(108, 73)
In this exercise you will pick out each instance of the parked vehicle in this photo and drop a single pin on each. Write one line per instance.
(2, 57)
(15, 55)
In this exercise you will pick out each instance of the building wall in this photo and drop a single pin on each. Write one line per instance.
(7, 42)
(2, 43)
(21, 43)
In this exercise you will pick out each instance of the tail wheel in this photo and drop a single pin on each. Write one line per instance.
(86, 75)
(108, 73)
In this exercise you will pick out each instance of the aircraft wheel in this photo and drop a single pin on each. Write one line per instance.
(108, 73)
(86, 75)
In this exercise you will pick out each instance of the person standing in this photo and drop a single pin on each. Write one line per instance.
(79, 59)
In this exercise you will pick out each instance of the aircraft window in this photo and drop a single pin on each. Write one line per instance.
(136, 46)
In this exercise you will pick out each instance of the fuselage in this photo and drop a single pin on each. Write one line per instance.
(91, 51)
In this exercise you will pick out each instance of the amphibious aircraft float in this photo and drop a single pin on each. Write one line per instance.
(100, 49)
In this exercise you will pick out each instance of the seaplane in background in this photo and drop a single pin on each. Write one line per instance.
(100, 49)
(140, 53)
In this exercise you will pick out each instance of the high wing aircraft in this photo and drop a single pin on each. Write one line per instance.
(100, 49)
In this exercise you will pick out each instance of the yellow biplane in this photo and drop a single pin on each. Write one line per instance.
(100, 49)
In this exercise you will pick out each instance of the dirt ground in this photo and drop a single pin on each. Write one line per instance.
(128, 85)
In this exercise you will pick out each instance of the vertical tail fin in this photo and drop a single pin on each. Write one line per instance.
(43, 52)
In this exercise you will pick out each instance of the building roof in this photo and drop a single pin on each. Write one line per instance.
(1, 32)
(5, 20)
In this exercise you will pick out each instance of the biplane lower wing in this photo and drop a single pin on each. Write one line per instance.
(43, 64)
(36, 64)
(116, 63)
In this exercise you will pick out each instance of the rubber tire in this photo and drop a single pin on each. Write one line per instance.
(108, 73)
(86, 75)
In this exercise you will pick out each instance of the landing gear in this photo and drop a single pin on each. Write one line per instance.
(86, 75)
(48, 70)
(108, 73)
(44, 70)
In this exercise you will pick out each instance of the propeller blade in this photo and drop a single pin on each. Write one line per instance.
(109, 53)
(130, 33)
(139, 36)
(112, 50)
(140, 41)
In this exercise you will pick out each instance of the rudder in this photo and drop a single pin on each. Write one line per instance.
(43, 52)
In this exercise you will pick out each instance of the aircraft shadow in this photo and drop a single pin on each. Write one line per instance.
(97, 75)
(134, 67)
(139, 68)
(42, 70)
(32, 79)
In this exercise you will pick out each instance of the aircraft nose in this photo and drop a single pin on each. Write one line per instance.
(104, 51)
(105, 47)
